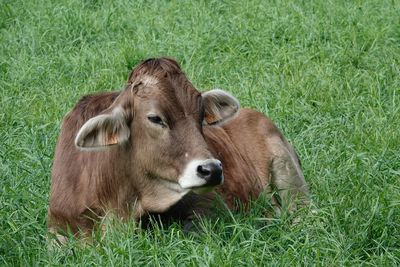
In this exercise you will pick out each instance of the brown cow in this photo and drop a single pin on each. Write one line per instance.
(148, 148)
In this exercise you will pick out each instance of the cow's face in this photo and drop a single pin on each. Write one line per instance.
(160, 117)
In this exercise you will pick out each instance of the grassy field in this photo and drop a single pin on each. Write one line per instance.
(327, 73)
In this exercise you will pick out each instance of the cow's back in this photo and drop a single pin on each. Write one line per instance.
(244, 147)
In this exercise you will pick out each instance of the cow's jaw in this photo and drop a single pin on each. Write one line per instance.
(159, 196)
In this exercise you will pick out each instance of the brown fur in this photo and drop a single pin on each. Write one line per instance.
(129, 178)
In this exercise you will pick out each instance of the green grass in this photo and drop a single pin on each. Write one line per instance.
(327, 73)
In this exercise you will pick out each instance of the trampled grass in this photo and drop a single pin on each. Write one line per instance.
(327, 73)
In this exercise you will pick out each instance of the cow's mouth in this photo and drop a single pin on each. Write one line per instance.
(177, 187)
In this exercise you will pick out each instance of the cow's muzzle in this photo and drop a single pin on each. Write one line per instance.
(211, 171)
(202, 173)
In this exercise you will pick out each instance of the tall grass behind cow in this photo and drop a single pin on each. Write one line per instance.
(153, 145)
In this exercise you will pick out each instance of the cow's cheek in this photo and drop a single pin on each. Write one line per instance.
(167, 167)
(166, 160)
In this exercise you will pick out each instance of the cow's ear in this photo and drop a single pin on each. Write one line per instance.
(103, 131)
(219, 106)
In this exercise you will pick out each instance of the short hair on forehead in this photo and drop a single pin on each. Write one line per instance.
(158, 67)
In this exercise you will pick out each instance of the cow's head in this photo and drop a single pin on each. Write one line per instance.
(159, 118)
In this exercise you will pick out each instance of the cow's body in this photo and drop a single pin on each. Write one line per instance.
(88, 184)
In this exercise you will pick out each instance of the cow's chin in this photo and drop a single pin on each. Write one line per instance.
(203, 190)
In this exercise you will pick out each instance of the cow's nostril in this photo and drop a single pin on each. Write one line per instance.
(203, 171)
(211, 171)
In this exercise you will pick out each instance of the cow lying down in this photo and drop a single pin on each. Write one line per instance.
(152, 147)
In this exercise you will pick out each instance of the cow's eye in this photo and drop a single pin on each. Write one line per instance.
(156, 120)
